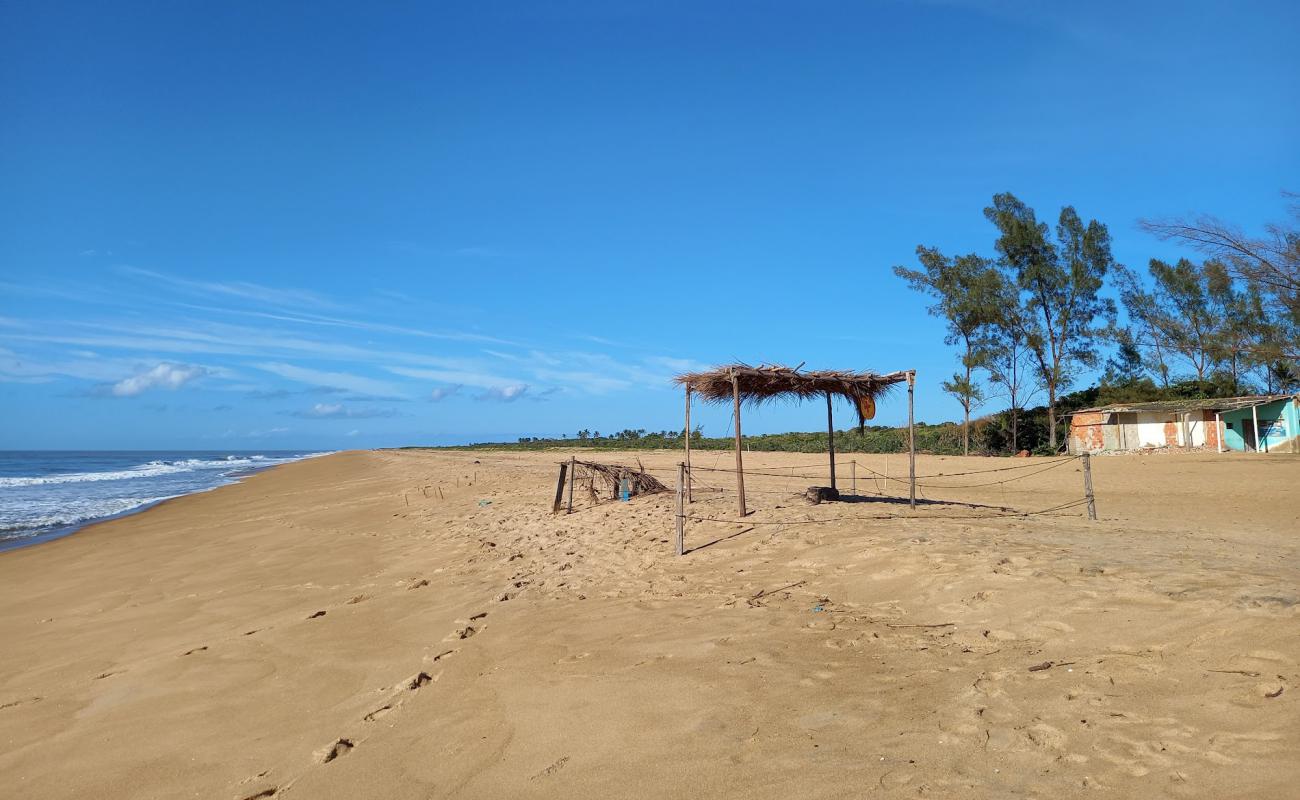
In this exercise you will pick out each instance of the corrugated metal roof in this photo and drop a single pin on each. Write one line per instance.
(1204, 404)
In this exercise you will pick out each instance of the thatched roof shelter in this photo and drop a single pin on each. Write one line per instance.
(741, 383)
(770, 382)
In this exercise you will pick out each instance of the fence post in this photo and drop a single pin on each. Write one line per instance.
(573, 478)
(559, 488)
(681, 510)
(911, 440)
(855, 476)
(1087, 485)
(740, 464)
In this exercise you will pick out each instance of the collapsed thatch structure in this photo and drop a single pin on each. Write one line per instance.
(639, 481)
(741, 383)
(770, 382)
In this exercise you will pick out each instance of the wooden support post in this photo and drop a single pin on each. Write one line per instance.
(830, 436)
(1087, 485)
(1254, 416)
(855, 476)
(740, 464)
(681, 510)
(559, 488)
(573, 478)
(1218, 431)
(911, 438)
(689, 497)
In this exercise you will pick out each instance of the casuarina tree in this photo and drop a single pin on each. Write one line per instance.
(1061, 281)
(965, 293)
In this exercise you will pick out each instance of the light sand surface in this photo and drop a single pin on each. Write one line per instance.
(365, 625)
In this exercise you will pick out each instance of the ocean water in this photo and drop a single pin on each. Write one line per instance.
(46, 494)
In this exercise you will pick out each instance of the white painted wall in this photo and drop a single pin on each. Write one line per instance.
(1151, 429)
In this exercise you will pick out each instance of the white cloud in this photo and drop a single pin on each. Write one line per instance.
(340, 411)
(505, 394)
(443, 392)
(163, 376)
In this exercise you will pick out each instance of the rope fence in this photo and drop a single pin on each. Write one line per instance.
(686, 479)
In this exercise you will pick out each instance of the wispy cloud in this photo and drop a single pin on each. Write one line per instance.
(259, 433)
(443, 392)
(161, 376)
(479, 380)
(335, 380)
(243, 290)
(304, 318)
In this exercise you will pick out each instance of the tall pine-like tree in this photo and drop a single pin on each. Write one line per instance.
(965, 293)
(1061, 282)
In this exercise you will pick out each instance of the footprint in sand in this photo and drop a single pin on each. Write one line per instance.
(552, 769)
(13, 703)
(378, 712)
(317, 615)
(195, 650)
(339, 748)
(418, 680)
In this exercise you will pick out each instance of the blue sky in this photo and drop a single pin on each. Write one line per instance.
(250, 225)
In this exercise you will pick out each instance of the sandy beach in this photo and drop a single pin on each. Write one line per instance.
(417, 624)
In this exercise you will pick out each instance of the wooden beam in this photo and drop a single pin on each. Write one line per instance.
(1218, 431)
(689, 499)
(573, 478)
(911, 439)
(1087, 485)
(740, 464)
(680, 526)
(830, 436)
(559, 488)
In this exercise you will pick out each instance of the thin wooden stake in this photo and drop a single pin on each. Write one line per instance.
(573, 476)
(740, 465)
(680, 525)
(1087, 485)
(830, 437)
(854, 464)
(689, 498)
(559, 488)
(911, 438)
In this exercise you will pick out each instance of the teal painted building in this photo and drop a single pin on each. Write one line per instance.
(1272, 426)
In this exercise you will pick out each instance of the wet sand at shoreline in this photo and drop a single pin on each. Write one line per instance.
(416, 624)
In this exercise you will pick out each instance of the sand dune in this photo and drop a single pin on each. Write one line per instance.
(418, 625)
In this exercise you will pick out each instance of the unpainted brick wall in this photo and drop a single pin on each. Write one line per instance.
(1086, 433)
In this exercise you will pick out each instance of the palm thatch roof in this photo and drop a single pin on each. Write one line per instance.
(771, 381)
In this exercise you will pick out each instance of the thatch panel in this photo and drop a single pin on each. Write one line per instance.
(769, 382)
